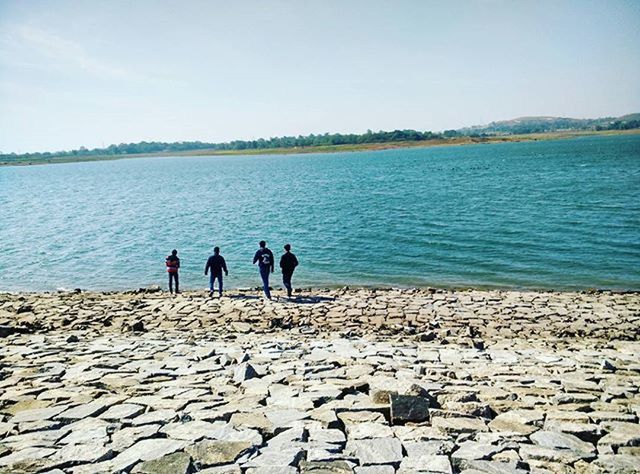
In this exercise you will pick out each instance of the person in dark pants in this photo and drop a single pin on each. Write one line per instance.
(264, 258)
(173, 265)
(288, 263)
(216, 264)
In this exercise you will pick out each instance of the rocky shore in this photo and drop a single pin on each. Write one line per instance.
(334, 381)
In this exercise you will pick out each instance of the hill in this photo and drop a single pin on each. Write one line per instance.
(525, 125)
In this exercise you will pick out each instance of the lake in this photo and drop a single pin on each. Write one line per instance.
(561, 214)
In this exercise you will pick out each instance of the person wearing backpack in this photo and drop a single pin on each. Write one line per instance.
(173, 264)
(217, 265)
(288, 263)
(264, 259)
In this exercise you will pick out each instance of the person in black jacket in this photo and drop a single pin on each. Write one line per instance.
(288, 263)
(216, 264)
(264, 258)
(173, 265)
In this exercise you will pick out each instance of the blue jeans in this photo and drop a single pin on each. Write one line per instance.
(212, 280)
(264, 274)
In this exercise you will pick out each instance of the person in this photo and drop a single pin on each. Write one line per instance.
(264, 258)
(288, 263)
(216, 264)
(173, 264)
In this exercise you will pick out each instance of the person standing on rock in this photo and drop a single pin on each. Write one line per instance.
(173, 265)
(288, 263)
(264, 258)
(217, 265)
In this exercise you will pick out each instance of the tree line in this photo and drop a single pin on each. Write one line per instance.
(513, 127)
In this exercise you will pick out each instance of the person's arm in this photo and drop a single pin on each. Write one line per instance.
(206, 267)
(272, 262)
(256, 257)
(224, 266)
(177, 262)
(295, 261)
(281, 261)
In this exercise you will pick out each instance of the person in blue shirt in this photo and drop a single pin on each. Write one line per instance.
(264, 259)
(217, 265)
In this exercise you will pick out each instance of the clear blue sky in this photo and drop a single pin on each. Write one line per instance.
(92, 73)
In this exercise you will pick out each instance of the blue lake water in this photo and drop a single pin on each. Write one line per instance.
(559, 214)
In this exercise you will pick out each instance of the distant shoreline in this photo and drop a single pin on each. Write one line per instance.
(333, 148)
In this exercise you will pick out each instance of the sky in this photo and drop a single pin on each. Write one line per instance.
(93, 73)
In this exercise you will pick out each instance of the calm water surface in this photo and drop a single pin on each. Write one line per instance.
(555, 214)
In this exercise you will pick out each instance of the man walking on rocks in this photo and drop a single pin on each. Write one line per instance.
(173, 265)
(264, 258)
(288, 263)
(216, 264)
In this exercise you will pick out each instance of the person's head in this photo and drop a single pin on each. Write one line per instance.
(216, 250)
(287, 247)
(174, 252)
(262, 244)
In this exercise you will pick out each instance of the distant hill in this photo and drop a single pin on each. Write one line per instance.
(524, 125)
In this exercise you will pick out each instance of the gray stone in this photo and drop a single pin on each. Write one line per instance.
(79, 454)
(37, 414)
(618, 463)
(555, 440)
(176, 463)
(25, 455)
(145, 450)
(122, 411)
(408, 408)
(214, 453)
(376, 451)
(426, 464)
(244, 372)
(470, 450)
(329, 467)
(279, 457)
(380, 469)
(459, 425)
(368, 430)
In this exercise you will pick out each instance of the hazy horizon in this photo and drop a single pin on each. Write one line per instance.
(170, 71)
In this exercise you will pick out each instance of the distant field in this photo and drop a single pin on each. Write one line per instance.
(328, 148)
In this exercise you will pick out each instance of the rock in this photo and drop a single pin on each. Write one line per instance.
(471, 451)
(375, 451)
(145, 450)
(73, 338)
(176, 463)
(368, 430)
(408, 408)
(37, 414)
(550, 439)
(433, 464)
(122, 411)
(329, 467)
(379, 469)
(214, 453)
(277, 458)
(79, 454)
(138, 326)
(620, 434)
(619, 464)
(459, 425)
(244, 372)
(24, 456)
(564, 456)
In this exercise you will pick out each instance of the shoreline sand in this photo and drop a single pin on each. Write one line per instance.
(340, 381)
